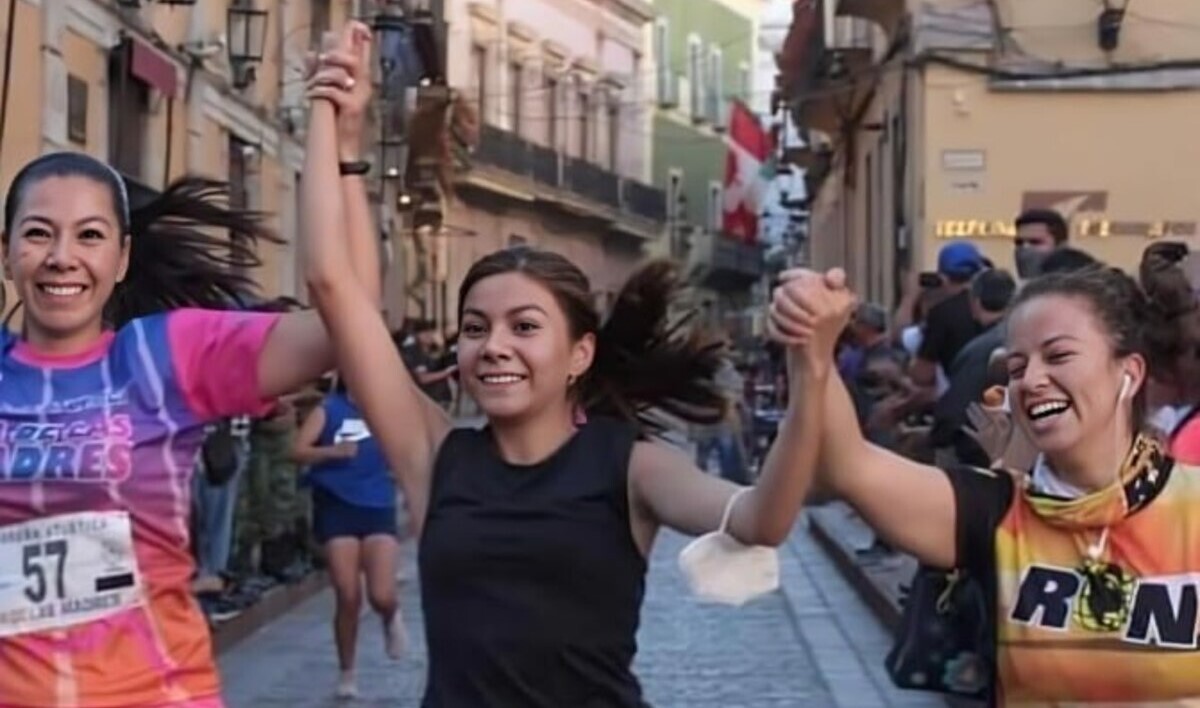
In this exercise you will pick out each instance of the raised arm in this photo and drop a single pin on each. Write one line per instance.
(298, 349)
(366, 355)
(680, 496)
(910, 504)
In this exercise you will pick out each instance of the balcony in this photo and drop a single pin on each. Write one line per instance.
(593, 182)
(888, 14)
(725, 264)
(825, 65)
(529, 169)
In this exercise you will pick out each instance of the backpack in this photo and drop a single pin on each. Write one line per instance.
(220, 453)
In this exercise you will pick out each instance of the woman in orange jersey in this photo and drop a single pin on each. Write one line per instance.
(1089, 559)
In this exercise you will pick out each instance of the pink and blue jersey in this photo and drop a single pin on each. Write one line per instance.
(97, 451)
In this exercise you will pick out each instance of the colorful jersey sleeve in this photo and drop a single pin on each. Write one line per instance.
(1185, 443)
(981, 498)
(214, 355)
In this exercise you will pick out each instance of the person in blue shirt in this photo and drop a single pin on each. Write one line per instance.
(354, 519)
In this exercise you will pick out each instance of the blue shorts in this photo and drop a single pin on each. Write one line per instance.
(334, 517)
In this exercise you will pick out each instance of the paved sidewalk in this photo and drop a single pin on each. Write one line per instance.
(815, 644)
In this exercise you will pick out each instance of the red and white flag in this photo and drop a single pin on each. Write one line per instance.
(748, 167)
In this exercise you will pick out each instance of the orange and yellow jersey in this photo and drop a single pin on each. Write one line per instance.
(1084, 615)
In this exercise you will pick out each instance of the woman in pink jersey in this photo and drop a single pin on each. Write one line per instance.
(103, 400)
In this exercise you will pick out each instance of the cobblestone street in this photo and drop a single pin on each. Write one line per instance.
(815, 644)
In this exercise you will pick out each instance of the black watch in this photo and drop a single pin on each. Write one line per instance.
(359, 167)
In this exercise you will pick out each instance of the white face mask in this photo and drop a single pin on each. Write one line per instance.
(721, 569)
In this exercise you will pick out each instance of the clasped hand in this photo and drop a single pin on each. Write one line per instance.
(808, 312)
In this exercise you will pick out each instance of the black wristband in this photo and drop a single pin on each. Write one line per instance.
(360, 167)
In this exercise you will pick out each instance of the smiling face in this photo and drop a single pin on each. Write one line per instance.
(1065, 381)
(516, 351)
(65, 253)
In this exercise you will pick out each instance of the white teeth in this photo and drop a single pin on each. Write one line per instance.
(63, 290)
(501, 378)
(1044, 409)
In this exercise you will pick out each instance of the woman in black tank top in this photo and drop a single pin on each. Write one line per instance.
(535, 529)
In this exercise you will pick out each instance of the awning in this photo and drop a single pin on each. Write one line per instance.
(149, 66)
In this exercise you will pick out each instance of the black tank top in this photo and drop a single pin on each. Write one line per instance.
(531, 582)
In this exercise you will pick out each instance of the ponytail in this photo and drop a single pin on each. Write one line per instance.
(1171, 320)
(650, 361)
(189, 248)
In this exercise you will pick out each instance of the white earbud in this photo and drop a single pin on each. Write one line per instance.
(1126, 384)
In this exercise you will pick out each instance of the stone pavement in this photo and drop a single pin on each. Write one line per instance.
(815, 644)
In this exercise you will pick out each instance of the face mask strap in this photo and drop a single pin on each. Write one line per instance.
(729, 508)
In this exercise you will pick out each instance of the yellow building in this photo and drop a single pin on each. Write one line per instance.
(160, 89)
(944, 119)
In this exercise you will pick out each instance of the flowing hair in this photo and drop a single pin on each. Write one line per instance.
(1171, 318)
(649, 361)
(188, 247)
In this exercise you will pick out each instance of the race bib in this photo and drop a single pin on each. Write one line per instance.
(352, 430)
(66, 570)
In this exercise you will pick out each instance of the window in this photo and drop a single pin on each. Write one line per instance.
(479, 63)
(552, 112)
(675, 200)
(662, 46)
(715, 213)
(515, 87)
(614, 134)
(585, 124)
(243, 163)
(77, 109)
(319, 22)
(662, 55)
(696, 78)
(128, 114)
(715, 108)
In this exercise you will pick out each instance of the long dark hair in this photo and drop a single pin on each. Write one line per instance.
(649, 360)
(1172, 320)
(188, 246)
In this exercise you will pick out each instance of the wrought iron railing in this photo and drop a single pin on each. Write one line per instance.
(507, 151)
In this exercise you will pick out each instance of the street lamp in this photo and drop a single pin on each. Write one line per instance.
(247, 29)
(393, 155)
(399, 64)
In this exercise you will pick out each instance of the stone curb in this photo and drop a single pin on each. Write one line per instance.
(274, 603)
(882, 600)
(877, 597)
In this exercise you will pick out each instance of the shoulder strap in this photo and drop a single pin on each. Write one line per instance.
(733, 500)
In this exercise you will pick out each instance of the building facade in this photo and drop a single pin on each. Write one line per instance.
(942, 119)
(563, 160)
(705, 52)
